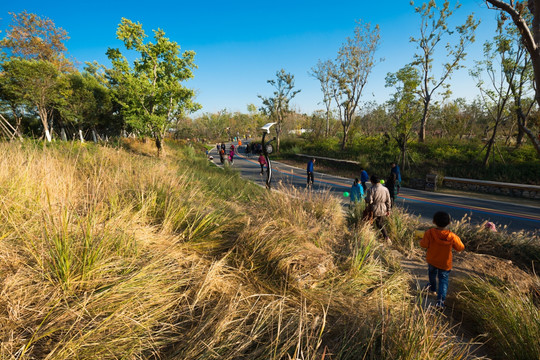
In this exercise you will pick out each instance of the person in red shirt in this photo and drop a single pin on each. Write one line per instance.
(439, 243)
(262, 162)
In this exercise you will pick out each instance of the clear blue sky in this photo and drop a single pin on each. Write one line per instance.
(240, 44)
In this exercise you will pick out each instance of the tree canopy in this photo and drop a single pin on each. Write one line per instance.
(151, 91)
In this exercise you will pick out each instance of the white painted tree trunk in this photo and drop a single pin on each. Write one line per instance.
(81, 136)
(94, 137)
(63, 134)
(48, 135)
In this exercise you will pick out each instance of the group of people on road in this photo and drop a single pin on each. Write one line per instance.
(221, 148)
(392, 183)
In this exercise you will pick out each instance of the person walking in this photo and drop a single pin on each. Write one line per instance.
(357, 192)
(378, 199)
(310, 166)
(396, 171)
(391, 186)
(439, 243)
(364, 178)
(221, 155)
(231, 156)
(262, 162)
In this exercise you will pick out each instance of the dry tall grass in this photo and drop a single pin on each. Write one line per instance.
(106, 255)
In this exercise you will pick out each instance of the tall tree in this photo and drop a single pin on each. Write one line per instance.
(38, 84)
(33, 37)
(323, 72)
(151, 92)
(278, 106)
(519, 74)
(350, 72)
(496, 93)
(404, 106)
(526, 18)
(433, 29)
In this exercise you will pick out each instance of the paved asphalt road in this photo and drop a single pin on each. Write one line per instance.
(424, 203)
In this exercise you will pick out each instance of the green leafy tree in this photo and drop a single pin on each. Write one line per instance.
(434, 29)
(277, 107)
(350, 72)
(88, 102)
(404, 106)
(151, 92)
(11, 104)
(39, 86)
(256, 118)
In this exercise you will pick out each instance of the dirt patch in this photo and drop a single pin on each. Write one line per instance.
(467, 264)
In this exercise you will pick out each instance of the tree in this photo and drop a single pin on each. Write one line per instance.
(496, 94)
(453, 119)
(374, 119)
(433, 28)
(323, 72)
(37, 38)
(256, 118)
(350, 72)
(37, 83)
(88, 102)
(404, 106)
(11, 103)
(213, 126)
(277, 107)
(151, 92)
(518, 72)
(526, 18)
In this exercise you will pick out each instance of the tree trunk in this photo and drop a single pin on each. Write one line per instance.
(422, 131)
(490, 145)
(345, 135)
(520, 135)
(327, 123)
(45, 122)
(158, 144)
(534, 140)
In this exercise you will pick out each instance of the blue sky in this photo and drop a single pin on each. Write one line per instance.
(240, 44)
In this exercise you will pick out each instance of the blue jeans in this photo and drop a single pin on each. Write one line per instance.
(433, 273)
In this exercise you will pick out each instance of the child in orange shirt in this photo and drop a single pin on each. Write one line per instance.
(439, 243)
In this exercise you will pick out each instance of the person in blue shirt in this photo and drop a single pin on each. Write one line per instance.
(357, 192)
(395, 170)
(364, 178)
(310, 172)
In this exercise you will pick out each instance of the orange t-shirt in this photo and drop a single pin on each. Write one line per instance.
(439, 245)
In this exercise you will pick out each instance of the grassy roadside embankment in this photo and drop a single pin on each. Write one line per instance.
(444, 157)
(105, 254)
